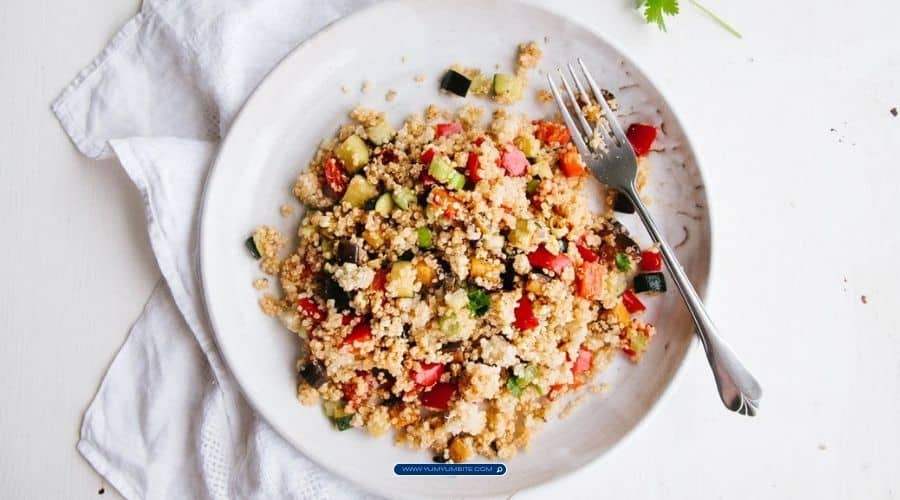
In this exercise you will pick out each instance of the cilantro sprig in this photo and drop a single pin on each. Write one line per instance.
(655, 11)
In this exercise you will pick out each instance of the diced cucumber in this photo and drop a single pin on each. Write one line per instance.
(353, 153)
(441, 169)
(384, 205)
(404, 197)
(402, 279)
(424, 237)
(507, 86)
(449, 325)
(359, 191)
(456, 181)
(380, 133)
(528, 144)
(650, 282)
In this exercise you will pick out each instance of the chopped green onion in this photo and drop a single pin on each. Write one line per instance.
(532, 186)
(479, 302)
(623, 262)
(513, 385)
(425, 238)
(251, 247)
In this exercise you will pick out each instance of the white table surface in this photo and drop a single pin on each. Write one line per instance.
(801, 156)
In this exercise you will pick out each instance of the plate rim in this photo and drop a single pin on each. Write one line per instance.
(204, 246)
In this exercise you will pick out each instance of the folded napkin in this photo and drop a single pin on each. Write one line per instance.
(168, 420)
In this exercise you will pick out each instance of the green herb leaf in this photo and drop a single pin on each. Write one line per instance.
(623, 262)
(656, 10)
(479, 301)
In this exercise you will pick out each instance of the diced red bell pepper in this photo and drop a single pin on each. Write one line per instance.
(310, 310)
(543, 259)
(514, 161)
(525, 318)
(590, 280)
(428, 374)
(447, 129)
(472, 166)
(439, 396)
(651, 261)
(427, 156)
(571, 163)
(583, 362)
(478, 142)
(631, 302)
(380, 280)
(587, 254)
(360, 333)
(641, 137)
(346, 319)
(551, 133)
(335, 178)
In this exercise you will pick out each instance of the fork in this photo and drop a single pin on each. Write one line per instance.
(616, 167)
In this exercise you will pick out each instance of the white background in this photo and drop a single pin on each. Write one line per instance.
(802, 159)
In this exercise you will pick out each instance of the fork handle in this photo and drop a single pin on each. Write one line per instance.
(738, 389)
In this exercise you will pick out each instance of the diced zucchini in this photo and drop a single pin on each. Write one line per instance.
(380, 133)
(359, 191)
(353, 152)
(456, 181)
(520, 237)
(384, 205)
(529, 145)
(342, 423)
(424, 238)
(402, 279)
(404, 198)
(441, 169)
(650, 282)
(507, 86)
(250, 243)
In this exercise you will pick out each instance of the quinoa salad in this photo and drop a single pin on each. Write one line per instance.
(449, 282)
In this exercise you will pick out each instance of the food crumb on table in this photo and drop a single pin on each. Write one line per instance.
(286, 210)
(390, 96)
(864, 299)
(419, 78)
(366, 87)
(345, 89)
(894, 111)
(261, 284)
(544, 96)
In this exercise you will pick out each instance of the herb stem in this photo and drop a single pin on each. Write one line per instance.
(721, 22)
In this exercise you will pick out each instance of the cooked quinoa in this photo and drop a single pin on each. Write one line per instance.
(449, 281)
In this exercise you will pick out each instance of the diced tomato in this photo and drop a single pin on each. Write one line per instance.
(478, 142)
(439, 396)
(360, 333)
(310, 310)
(428, 374)
(571, 163)
(651, 261)
(583, 362)
(551, 133)
(525, 318)
(380, 280)
(587, 254)
(447, 129)
(641, 137)
(427, 156)
(472, 166)
(543, 259)
(631, 302)
(590, 280)
(514, 161)
(335, 178)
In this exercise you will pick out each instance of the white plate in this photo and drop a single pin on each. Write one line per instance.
(301, 102)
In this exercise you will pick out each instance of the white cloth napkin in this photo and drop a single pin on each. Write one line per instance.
(168, 420)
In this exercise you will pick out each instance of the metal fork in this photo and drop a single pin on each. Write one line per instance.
(617, 168)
